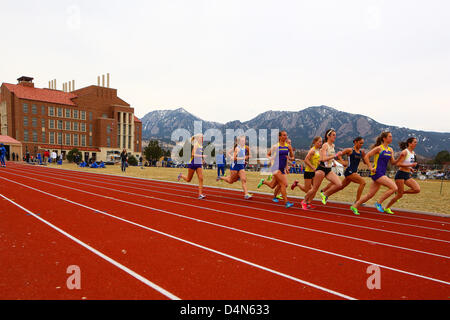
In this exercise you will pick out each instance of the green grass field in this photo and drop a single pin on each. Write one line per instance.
(430, 199)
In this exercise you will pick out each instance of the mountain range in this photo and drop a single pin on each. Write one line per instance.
(302, 126)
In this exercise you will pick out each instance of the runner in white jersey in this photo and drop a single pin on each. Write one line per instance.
(406, 163)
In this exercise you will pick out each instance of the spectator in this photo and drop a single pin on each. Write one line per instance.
(124, 160)
(13, 156)
(46, 156)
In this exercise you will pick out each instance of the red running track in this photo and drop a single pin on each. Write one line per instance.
(145, 239)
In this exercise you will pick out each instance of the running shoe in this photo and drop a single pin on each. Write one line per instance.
(354, 210)
(275, 200)
(324, 198)
(179, 176)
(200, 197)
(218, 178)
(289, 204)
(388, 210)
(379, 207)
(279, 197)
(304, 205)
(294, 184)
(269, 178)
(261, 182)
(248, 196)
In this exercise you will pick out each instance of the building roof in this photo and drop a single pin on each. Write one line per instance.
(44, 95)
(136, 119)
(8, 140)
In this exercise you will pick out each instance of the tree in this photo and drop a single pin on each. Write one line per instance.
(153, 151)
(442, 157)
(132, 161)
(72, 153)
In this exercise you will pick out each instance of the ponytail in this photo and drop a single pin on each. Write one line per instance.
(404, 144)
(380, 139)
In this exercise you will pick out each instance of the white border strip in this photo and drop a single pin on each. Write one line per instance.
(98, 253)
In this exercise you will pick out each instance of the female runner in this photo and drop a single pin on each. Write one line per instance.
(311, 164)
(355, 155)
(240, 156)
(383, 155)
(327, 154)
(196, 163)
(406, 163)
(281, 151)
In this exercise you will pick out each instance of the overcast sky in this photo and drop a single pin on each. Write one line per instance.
(226, 60)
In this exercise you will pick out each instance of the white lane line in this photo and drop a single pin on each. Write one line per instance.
(264, 210)
(222, 226)
(219, 189)
(264, 220)
(175, 238)
(98, 253)
(131, 185)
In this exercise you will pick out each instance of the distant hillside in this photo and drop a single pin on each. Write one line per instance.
(301, 126)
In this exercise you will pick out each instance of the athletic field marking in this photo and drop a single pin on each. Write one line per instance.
(260, 209)
(126, 178)
(179, 239)
(98, 253)
(269, 203)
(218, 225)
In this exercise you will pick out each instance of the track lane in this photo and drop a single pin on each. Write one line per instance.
(34, 259)
(191, 271)
(372, 235)
(170, 224)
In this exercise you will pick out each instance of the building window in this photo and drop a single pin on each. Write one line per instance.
(35, 136)
(75, 139)
(83, 115)
(60, 138)
(43, 137)
(90, 141)
(83, 140)
(33, 109)
(25, 108)
(90, 116)
(75, 126)
(90, 127)
(68, 125)
(51, 124)
(108, 129)
(51, 111)
(25, 121)
(68, 113)
(108, 142)
(34, 122)
(104, 115)
(129, 142)
(52, 138)
(75, 114)
(67, 139)
(60, 112)
(60, 124)
(43, 110)
(25, 135)
(43, 123)
(83, 127)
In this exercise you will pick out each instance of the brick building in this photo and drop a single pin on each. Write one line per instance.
(92, 119)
